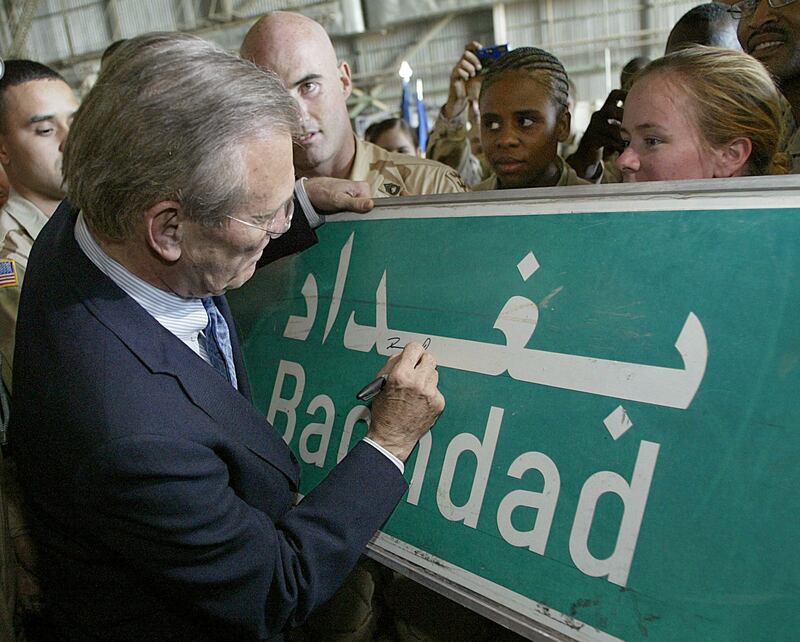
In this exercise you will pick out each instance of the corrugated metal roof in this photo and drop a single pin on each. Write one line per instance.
(69, 32)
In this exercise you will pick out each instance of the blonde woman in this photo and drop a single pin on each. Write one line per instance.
(702, 112)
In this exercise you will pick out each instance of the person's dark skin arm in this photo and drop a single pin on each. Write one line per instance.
(601, 137)
(466, 70)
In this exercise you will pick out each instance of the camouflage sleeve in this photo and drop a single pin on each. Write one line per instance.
(448, 141)
(449, 181)
(610, 173)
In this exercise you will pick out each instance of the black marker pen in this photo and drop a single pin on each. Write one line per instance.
(372, 389)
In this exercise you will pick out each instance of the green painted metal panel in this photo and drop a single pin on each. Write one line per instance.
(621, 440)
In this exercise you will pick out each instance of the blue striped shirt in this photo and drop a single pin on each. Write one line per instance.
(184, 318)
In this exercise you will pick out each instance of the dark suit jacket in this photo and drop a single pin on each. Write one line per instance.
(161, 500)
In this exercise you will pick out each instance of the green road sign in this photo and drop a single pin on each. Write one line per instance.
(618, 458)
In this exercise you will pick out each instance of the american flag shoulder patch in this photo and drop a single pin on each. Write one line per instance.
(8, 273)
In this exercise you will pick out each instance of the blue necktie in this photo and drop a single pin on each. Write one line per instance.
(216, 339)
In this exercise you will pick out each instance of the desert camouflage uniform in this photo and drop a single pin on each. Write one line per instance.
(20, 223)
(393, 174)
(791, 137)
(448, 143)
(568, 177)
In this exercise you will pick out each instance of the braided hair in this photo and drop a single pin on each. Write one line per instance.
(543, 67)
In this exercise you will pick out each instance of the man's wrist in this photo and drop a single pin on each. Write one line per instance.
(315, 219)
(399, 447)
(389, 455)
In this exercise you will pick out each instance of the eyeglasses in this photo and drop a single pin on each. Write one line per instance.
(747, 8)
(272, 232)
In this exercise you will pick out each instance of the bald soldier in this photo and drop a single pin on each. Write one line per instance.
(709, 24)
(300, 52)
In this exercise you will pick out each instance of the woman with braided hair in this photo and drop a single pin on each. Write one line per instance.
(702, 112)
(524, 115)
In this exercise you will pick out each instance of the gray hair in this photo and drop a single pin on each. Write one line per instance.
(167, 120)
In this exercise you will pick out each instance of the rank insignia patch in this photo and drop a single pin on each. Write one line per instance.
(391, 189)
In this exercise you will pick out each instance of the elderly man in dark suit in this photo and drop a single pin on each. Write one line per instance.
(161, 500)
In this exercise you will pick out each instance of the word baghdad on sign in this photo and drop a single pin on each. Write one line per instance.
(517, 322)
(573, 469)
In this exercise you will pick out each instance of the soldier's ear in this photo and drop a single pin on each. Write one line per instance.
(346, 79)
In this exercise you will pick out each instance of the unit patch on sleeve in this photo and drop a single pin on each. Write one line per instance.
(391, 189)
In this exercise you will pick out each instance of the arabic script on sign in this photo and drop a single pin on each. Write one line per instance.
(517, 320)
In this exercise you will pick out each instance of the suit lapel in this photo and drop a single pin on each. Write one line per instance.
(162, 352)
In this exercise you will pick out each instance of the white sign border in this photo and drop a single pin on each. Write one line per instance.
(512, 610)
(711, 194)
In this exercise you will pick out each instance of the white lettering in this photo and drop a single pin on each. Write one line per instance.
(484, 453)
(358, 413)
(288, 406)
(322, 429)
(420, 466)
(545, 501)
(634, 498)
